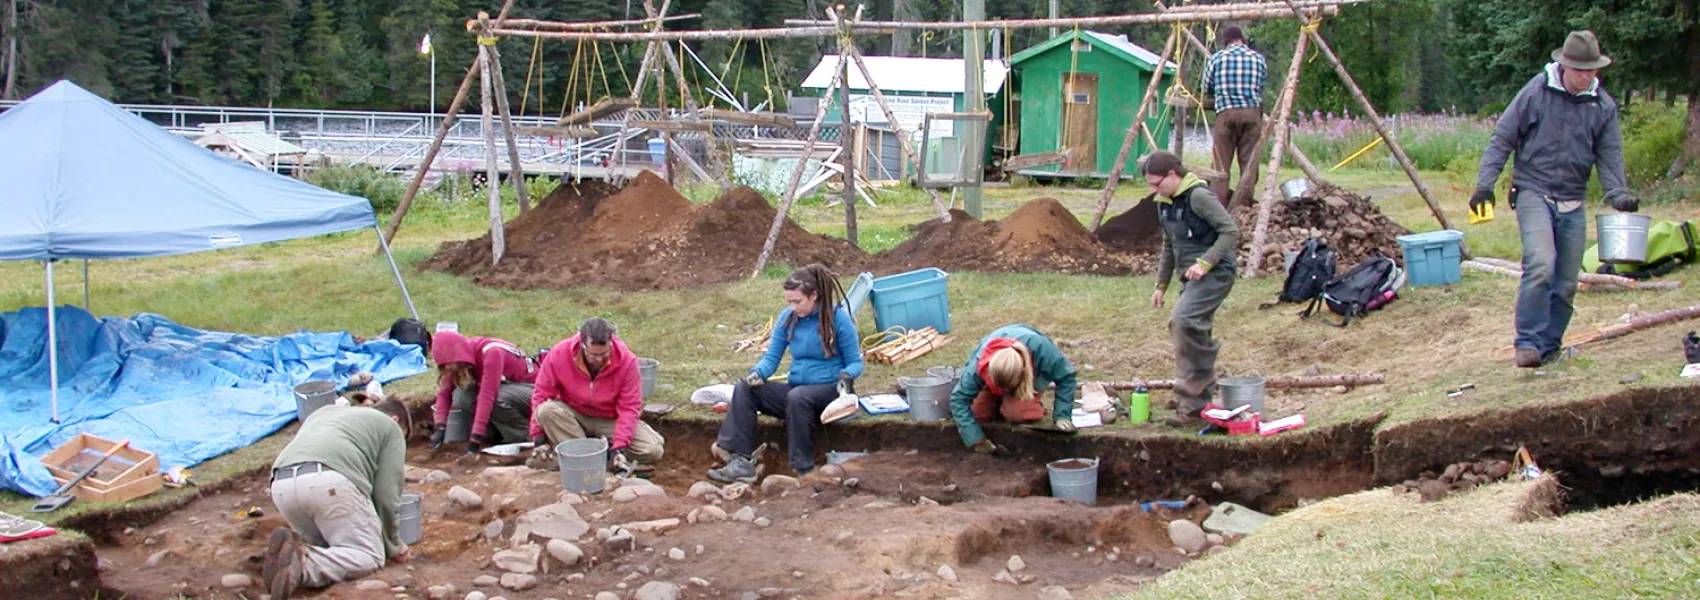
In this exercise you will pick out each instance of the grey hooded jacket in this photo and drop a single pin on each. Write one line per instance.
(1558, 137)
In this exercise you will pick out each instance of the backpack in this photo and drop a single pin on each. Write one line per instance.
(1367, 286)
(411, 331)
(1312, 270)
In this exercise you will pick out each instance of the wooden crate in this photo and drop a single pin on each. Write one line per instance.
(129, 474)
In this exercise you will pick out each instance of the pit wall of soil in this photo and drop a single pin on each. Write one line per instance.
(58, 567)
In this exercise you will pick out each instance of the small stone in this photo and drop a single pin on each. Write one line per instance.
(625, 494)
(879, 504)
(834, 471)
(518, 560)
(657, 590)
(1215, 550)
(1003, 576)
(1145, 561)
(621, 585)
(464, 498)
(734, 491)
(564, 551)
(403, 580)
(778, 484)
(700, 582)
(707, 514)
(1187, 535)
(1112, 557)
(763, 522)
(439, 592)
(571, 499)
(1630, 378)
(156, 558)
(575, 578)
(235, 581)
(745, 514)
(102, 565)
(607, 596)
(946, 573)
(843, 535)
(519, 582)
(676, 553)
(1015, 564)
(700, 549)
(372, 585)
(437, 476)
(485, 581)
(1340, 389)
(911, 452)
(493, 529)
(1612, 471)
(1215, 539)
(476, 595)
(621, 539)
(1055, 592)
(925, 501)
(703, 489)
(636, 482)
(852, 482)
(797, 574)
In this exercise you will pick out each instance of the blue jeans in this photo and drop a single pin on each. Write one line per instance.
(1553, 242)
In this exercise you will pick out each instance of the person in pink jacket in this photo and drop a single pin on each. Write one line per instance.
(491, 377)
(589, 386)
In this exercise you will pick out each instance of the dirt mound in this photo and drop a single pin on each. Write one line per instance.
(1135, 231)
(1040, 237)
(645, 236)
(1351, 225)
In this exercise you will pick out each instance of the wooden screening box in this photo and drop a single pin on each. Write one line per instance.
(129, 474)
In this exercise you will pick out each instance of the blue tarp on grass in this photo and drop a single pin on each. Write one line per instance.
(182, 393)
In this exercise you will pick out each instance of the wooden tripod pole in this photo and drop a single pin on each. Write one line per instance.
(437, 142)
(492, 176)
(1283, 107)
(802, 163)
(1133, 131)
(516, 171)
(618, 177)
(907, 147)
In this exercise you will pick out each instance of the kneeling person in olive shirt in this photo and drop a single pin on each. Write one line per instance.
(338, 484)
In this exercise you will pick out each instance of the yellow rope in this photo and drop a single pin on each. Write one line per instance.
(486, 40)
(899, 333)
(525, 93)
(1354, 156)
(766, 76)
(925, 35)
(572, 78)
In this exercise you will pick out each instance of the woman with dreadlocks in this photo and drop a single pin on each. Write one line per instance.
(826, 357)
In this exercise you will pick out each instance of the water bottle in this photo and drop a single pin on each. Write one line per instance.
(1139, 406)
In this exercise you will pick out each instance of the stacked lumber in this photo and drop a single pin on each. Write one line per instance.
(907, 347)
(1349, 223)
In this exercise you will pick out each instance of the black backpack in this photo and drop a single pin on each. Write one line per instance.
(1367, 286)
(1312, 270)
(411, 331)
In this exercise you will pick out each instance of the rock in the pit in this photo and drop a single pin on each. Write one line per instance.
(946, 573)
(571, 498)
(1187, 535)
(657, 590)
(518, 560)
(1015, 564)
(852, 482)
(1432, 490)
(476, 595)
(636, 482)
(745, 514)
(372, 585)
(1003, 576)
(706, 514)
(564, 551)
(621, 540)
(734, 491)
(437, 476)
(519, 582)
(625, 494)
(156, 558)
(493, 529)
(700, 582)
(1215, 550)
(879, 504)
(559, 521)
(763, 522)
(1215, 539)
(235, 581)
(465, 499)
(831, 471)
(633, 492)
(925, 501)
(676, 553)
(485, 581)
(440, 592)
(778, 484)
(1055, 592)
(607, 596)
(703, 489)
(1145, 561)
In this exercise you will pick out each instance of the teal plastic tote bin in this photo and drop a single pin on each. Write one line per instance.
(1433, 258)
(913, 300)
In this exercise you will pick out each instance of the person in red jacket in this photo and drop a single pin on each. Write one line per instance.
(589, 386)
(491, 377)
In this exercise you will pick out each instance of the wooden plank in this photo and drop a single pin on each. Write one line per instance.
(764, 119)
(602, 108)
(1028, 161)
(576, 132)
(962, 116)
(673, 125)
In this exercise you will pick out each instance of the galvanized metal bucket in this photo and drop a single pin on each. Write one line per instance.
(929, 397)
(1297, 187)
(1623, 237)
(1239, 391)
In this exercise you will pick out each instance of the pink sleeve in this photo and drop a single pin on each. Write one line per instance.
(445, 400)
(542, 391)
(627, 406)
(489, 383)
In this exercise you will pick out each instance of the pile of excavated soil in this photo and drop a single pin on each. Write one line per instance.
(1135, 231)
(645, 236)
(1040, 237)
(1351, 225)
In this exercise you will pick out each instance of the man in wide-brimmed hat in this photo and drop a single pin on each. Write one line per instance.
(1562, 125)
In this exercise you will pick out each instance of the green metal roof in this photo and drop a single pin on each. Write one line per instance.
(1116, 45)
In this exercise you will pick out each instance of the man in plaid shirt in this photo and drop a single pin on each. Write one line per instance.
(1235, 79)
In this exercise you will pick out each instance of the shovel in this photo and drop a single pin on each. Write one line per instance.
(63, 497)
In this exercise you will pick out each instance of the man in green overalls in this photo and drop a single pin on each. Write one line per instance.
(1200, 236)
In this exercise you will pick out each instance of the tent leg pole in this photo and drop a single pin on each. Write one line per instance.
(397, 271)
(52, 343)
(86, 286)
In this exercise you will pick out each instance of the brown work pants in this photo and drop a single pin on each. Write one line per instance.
(1238, 133)
(988, 408)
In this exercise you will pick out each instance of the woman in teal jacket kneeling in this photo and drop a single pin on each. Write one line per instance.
(1004, 378)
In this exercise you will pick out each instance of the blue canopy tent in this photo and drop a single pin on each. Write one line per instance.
(86, 179)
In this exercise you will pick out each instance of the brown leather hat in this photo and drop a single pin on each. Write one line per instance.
(1581, 51)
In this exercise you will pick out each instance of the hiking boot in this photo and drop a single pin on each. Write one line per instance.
(281, 570)
(1182, 419)
(1528, 358)
(739, 469)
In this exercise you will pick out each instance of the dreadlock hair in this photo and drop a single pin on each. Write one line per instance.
(815, 280)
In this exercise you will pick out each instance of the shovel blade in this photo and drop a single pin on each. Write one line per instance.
(52, 503)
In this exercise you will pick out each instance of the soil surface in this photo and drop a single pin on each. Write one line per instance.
(1040, 237)
(1135, 231)
(644, 236)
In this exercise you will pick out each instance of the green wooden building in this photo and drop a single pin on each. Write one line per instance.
(1108, 75)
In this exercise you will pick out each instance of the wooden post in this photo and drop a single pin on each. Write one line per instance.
(905, 146)
(516, 171)
(437, 142)
(492, 176)
(1271, 187)
(1180, 113)
(847, 138)
(797, 171)
(1132, 131)
(618, 176)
